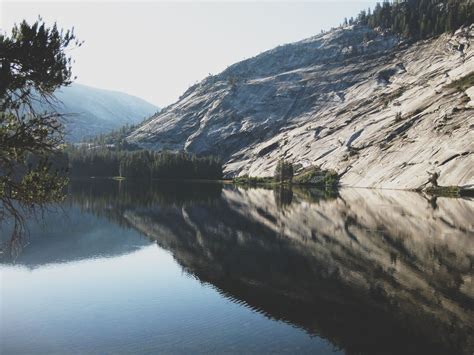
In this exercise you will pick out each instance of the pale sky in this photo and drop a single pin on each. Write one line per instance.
(156, 50)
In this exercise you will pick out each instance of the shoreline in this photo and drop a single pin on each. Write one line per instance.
(439, 191)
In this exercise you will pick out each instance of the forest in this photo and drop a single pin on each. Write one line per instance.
(85, 161)
(418, 19)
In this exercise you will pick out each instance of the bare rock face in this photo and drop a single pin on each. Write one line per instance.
(378, 111)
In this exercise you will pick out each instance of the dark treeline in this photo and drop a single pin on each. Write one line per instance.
(107, 162)
(418, 19)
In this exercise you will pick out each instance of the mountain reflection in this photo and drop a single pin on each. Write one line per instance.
(371, 271)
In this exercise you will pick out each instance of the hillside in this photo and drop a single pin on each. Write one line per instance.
(91, 111)
(381, 111)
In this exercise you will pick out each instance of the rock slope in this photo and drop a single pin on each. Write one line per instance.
(375, 109)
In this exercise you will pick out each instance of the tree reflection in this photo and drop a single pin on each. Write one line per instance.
(371, 271)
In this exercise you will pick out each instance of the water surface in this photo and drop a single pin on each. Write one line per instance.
(182, 268)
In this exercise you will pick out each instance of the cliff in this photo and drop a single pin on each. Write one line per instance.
(379, 111)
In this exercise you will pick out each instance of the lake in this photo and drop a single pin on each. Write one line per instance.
(136, 267)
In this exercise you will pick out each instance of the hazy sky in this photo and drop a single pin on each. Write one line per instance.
(156, 50)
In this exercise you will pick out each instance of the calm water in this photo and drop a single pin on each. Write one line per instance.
(183, 268)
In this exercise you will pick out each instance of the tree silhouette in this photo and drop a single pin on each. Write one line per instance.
(33, 64)
(283, 171)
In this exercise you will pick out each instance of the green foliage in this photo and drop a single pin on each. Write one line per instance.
(88, 161)
(39, 184)
(33, 64)
(317, 177)
(444, 191)
(33, 57)
(253, 180)
(283, 171)
(313, 176)
(117, 137)
(418, 19)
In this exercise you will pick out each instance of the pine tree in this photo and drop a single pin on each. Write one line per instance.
(418, 19)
